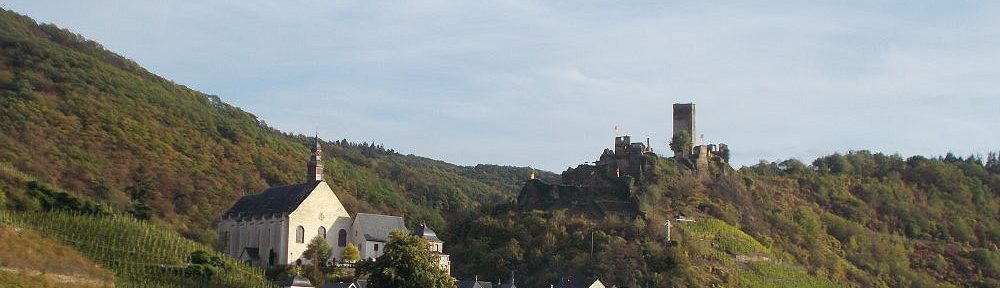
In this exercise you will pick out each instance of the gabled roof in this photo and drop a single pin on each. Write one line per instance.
(473, 284)
(274, 200)
(377, 227)
(251, 253)
(427, 233)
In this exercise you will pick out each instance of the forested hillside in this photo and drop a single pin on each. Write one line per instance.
(100, 126)
(860, 219)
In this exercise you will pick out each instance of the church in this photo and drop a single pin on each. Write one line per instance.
(275, 226)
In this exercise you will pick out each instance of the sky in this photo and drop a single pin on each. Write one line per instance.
(542, 84)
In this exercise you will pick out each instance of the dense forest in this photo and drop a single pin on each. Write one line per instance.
(97, 137)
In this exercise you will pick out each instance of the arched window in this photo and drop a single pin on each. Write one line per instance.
(342, 238)
(322, 232)
(300, 235)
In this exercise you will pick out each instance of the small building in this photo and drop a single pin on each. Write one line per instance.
(436, 246)
(371, 232)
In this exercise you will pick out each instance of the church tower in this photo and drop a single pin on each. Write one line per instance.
(315, 166)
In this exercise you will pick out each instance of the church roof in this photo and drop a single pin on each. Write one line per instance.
(378, 227)
(274, 200)
(427, 233)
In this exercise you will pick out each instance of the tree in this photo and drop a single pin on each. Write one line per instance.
(681, 143)
(350, 254)
(406, 263)
(318, 251)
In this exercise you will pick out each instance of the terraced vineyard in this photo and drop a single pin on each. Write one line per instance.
(139, 254)
(715, 241)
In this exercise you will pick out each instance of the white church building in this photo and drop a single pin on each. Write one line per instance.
(275, 226)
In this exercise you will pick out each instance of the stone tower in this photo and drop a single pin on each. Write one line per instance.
(684, 121)
(315, 166)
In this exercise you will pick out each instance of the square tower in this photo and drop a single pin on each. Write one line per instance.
(684, 120)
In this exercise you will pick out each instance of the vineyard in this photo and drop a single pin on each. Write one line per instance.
(718, 242)
(139, 254)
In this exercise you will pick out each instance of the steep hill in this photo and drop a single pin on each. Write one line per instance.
(856, 220)
(102, 127)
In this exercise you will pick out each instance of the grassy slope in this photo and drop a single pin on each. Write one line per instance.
(38, 259)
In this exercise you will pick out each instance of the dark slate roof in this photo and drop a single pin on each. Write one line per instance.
(378, 227)
(427, 233)
(298, 281)
(507, 285)
(340, 285)
(473, 284)
(251, 252)
(274, 200)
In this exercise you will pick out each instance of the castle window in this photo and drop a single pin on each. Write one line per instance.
(300, 235)
(342, 238)
(322, 232)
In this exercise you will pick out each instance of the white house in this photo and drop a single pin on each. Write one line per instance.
(274, 227)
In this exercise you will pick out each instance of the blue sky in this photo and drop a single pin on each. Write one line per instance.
(542, 83)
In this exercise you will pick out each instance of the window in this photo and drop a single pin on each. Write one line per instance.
(376, 246)
(300, 235)
(342, 238)
(322, 232)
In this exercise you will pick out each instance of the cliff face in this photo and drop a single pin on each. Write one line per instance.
(595, 202)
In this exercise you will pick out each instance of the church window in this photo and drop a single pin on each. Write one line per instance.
(322, 232)
(376, 246)
(300, 235)
(342, 238)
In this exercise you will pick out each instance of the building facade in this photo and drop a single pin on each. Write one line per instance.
(274, 227)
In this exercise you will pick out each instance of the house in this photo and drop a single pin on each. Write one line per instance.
(436, 246)
(370, 233)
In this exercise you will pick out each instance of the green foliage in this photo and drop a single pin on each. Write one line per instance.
(681, 143)
(318, 251)
(406, 263)
(350, 254)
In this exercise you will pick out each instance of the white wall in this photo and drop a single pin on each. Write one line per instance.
(323, 201)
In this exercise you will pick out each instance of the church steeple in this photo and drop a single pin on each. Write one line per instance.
(315, 167)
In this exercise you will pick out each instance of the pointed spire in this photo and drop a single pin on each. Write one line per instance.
(315, 167)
